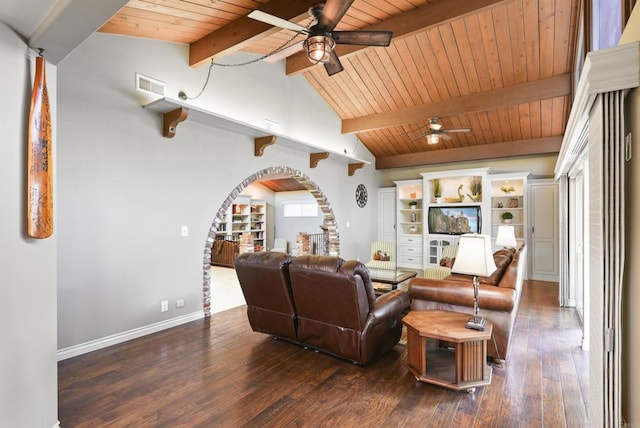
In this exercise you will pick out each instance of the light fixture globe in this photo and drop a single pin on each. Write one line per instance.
(433, 139)
(319, 48)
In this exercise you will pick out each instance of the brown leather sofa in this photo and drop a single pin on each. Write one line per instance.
(321, 302)
(498, 297)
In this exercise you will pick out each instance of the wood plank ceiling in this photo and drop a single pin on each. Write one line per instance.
(502, 68)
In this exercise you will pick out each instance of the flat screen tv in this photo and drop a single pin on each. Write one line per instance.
(455, 219)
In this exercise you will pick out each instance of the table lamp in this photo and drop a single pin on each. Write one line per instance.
(506, 237)
(475, 258)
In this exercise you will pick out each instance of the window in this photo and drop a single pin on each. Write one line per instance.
(300, 209)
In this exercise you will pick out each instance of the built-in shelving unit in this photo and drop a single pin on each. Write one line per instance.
(409, 219)
(258, 224)
(508, 196)
(246, 215)
(462, 205)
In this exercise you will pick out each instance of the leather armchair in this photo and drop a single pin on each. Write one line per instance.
(264, 279)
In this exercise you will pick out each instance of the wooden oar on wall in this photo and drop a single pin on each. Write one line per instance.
(40, 160)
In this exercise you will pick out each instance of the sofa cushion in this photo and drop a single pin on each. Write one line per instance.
(501, 261)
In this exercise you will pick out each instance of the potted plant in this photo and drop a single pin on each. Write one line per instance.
(437, 190)
(413, 204)
(507, 217)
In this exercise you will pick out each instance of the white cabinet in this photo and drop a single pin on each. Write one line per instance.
(435, 245)
(409, 220)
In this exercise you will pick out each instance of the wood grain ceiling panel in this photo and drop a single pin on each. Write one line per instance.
(444, 53)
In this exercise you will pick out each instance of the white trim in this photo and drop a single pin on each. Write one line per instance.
(57, 425)
(605, 70)
(114, 339)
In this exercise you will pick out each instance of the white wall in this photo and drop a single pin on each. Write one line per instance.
(125, 191)
(288, 227)
(537, 165)
(28, 369)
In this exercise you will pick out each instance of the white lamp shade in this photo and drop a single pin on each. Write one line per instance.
(474, 256)
(506, 237)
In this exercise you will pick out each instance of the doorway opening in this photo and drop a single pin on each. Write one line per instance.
(329, 221)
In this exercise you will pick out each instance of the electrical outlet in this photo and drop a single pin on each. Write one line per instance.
(184, 231)
(164, 306)
(179, 303)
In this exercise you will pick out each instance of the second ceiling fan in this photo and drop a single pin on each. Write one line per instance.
(436, 132)
(321, 37)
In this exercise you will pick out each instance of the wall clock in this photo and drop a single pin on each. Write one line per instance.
(361, 195)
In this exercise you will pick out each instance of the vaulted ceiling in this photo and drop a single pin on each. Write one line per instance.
(502, 68)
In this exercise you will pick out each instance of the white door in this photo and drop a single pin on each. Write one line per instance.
(387, 214)
(544, 241)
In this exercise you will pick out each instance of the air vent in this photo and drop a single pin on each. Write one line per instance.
(149, 85)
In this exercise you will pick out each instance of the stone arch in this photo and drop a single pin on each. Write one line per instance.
(329, 222)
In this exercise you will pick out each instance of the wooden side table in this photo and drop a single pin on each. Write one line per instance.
(462, 365)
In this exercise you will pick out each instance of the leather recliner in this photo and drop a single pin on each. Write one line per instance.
(264, 279)
(335, 307)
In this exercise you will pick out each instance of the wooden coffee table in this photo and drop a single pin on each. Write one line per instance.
(462, 364)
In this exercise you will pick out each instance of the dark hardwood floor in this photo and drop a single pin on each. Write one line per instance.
(218, 373)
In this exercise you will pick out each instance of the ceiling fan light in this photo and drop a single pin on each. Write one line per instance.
(319, 48)
(433, 139)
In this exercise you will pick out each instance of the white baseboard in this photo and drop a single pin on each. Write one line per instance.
(94, 345)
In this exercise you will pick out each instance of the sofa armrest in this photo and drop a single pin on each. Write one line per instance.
(391, 304)
(461, 293)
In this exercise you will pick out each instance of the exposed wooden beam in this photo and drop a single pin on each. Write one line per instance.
(353, 167)
(535, 146)
(314, 158)
(551, 87)
(260, 143)
(171, 119)
(405, 25)
(241, 32)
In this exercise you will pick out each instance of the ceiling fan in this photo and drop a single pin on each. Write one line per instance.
(321, 37)
(437, 132)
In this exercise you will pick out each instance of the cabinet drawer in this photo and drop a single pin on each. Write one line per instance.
(411, 250)
(411, 240)
(409, 260)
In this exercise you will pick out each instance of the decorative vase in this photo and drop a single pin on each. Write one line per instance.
(438, 200)
(414, 217)
(413, 229)
(506, 221)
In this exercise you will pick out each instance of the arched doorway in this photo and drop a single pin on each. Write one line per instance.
(329, 221)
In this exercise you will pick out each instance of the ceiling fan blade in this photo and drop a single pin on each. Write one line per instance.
(332, 13)
(334, 65)
(418, 138)
(365, 38)
(284, 53)
(457, 130)
(261, 16)
(444, 136)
